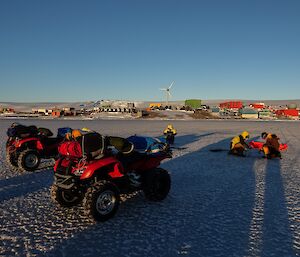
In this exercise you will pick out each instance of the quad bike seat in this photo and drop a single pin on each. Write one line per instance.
(51, 140)
(128, 159)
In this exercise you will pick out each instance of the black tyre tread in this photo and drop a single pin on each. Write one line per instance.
(13, 165)
(53, 193)
(56, 197)
(21, 159)
(88, 201)
(149, 179)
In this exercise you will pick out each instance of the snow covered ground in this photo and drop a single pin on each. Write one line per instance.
(219, 205)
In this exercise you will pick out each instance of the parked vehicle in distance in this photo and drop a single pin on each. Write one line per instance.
(27, 145)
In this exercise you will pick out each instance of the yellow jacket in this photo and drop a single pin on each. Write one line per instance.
(170, 128)
(240, 139)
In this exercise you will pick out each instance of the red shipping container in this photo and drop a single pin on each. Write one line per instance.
(232, 105)
(258, 105)
(288, 112)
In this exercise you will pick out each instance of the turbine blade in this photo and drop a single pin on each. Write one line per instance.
(171, 84)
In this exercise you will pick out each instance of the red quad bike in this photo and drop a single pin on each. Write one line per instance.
(89, 173)
(27, 145)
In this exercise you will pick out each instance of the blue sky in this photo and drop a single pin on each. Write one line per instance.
(69, 50)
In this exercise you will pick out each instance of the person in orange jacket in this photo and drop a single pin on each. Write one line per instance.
(271, 146)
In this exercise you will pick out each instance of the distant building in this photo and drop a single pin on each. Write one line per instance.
(57, 113)
(130, 105)
(7, 110)
(289, 113)
(249, 113)
(193, 103)
(41, 111)
(292, 106)
(69, 111)
(155, 105)
(231, 105)
(97, 109)
(265, 114)
(215, 111)
(258, 106)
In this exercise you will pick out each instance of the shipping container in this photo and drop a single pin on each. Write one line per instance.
(231, 105)
(258, 105)
(193, 103)
(288, 112)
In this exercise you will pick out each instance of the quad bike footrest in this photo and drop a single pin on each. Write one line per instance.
(64, 181)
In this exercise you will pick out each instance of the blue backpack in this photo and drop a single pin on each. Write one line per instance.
(61, 132)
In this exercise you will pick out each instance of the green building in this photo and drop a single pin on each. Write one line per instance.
(264, 114)
(193, 103)
(248, 113)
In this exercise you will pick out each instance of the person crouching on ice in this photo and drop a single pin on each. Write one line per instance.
(271, 146)
(238, 144)
(170, 133)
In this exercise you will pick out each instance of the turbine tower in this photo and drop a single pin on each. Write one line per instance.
(168, 93)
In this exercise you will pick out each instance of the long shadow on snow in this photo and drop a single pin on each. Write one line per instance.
(44, 221)
(219, 194)
(25, 184)
(190, 138)
(277, 237)
(208, 213)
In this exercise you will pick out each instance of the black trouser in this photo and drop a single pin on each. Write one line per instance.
(273, 152)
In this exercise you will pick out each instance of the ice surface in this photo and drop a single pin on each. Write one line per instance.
(219, 205)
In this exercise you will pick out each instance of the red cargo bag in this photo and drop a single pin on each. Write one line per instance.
(70, 149)
(259, 145)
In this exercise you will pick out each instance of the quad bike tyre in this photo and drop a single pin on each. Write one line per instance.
(12, 160)
(63, 197)
(29, 160)
(156, 184)
(101, 201)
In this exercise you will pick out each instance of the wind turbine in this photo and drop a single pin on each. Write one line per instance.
(168, 93)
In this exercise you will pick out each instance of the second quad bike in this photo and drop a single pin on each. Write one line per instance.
(27, 145)
(94, 172)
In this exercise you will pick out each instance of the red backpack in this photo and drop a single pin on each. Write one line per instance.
(71, 149)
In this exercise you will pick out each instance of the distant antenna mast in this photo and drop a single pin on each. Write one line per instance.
(168, 92)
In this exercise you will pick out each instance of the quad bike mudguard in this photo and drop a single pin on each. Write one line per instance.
(147, 162)
(36, 141)
(116, 168)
